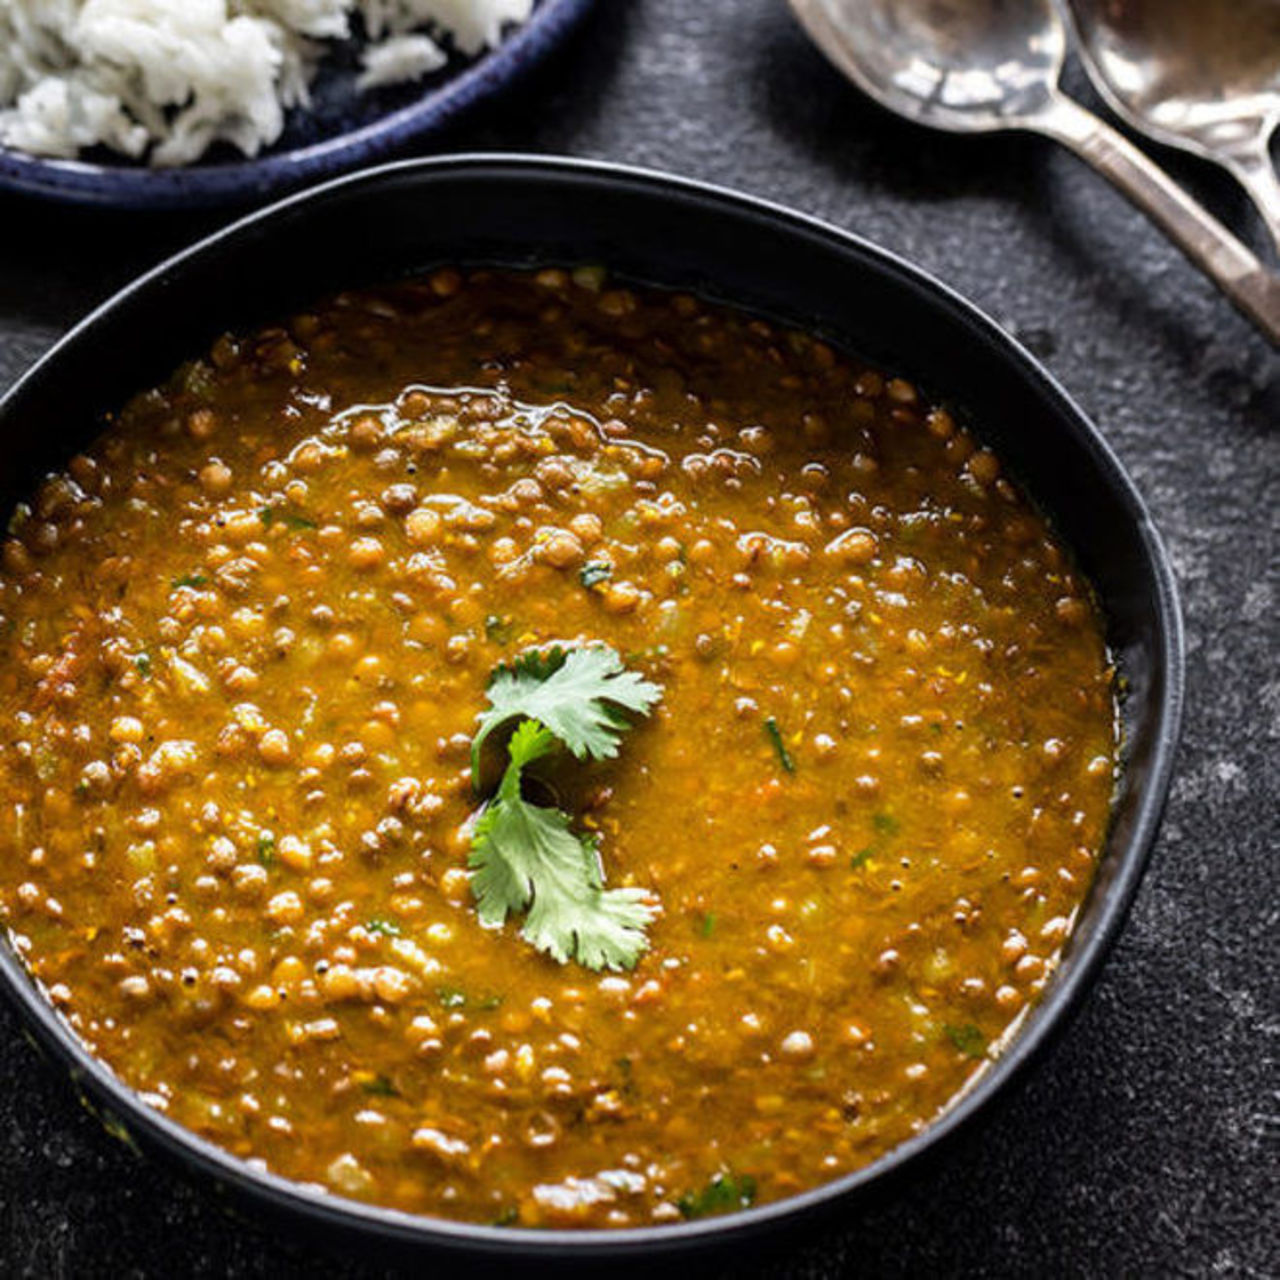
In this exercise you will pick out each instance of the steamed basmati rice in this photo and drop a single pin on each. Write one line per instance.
(166, 79)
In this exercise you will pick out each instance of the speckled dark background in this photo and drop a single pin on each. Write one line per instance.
(1148, 1142)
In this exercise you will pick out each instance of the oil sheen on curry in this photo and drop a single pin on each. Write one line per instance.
(248, 639)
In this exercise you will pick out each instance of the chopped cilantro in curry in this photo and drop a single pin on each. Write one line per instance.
(774, 734)
(594, 572)
(722, 1194)
(283, 516)
(967, 1038)
(380, 1086)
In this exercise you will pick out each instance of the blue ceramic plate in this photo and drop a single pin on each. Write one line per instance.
(341, 129)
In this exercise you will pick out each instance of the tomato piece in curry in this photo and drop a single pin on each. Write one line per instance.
(247, 638)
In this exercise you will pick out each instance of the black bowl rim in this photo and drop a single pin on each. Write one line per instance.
(396, 1228)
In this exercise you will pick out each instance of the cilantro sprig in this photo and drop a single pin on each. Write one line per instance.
(526, 857)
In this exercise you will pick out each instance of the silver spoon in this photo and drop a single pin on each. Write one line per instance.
(974, 66)
(1203, 75)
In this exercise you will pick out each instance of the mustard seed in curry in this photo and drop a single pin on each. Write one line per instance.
(247, 639)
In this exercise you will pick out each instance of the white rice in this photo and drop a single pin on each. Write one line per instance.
(166, 79)
(400, 58)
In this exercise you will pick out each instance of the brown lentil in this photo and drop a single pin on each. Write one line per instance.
(248, 637)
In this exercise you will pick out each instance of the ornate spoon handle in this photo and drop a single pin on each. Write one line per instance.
(1251, 286)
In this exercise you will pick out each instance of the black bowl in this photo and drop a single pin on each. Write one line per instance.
(407, 217)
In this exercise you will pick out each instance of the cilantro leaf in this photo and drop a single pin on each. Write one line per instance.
(527, 858)
(885, 824)
(578, 694)
(968, 1039)
(725, 1192)
(498, 629)
(281, 515)
(594, 572)
(774, 734)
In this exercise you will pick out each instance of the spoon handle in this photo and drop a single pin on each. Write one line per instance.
(1252, 287)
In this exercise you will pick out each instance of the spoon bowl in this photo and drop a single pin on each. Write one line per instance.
(966, 66)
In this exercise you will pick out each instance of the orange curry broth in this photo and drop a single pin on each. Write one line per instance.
(247, 636)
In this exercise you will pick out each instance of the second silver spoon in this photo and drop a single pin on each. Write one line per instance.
(1203, 75)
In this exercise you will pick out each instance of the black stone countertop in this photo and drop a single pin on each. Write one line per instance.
(1146, 1143)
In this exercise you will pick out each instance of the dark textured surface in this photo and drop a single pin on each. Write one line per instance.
(1147, 1142)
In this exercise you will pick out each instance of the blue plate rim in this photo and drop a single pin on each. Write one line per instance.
(276, 173)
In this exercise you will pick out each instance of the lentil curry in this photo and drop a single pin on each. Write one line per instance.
(248, 636)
